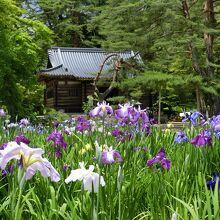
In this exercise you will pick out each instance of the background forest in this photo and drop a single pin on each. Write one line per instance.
(178, 41)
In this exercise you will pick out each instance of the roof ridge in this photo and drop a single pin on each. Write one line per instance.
(88, 49)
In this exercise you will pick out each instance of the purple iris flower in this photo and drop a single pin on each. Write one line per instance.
(121, 135)
(117, 133)
(101, 110)
(82, 124)
(211, 184)
(21, 138)
(2, 113)
(193, 116)
(110, 156)
(180, 137)
(144, 149)
(145, 118)
(160, 157)
(58, 153)
(66, 167)
(204, 138)
(57, 139)
(8, 169)
(55, 124)
(134, 115)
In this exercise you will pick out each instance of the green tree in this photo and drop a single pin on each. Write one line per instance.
(173, 36)
(70, 20)
(21, 52)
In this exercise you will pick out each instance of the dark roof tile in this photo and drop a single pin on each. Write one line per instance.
(82, 63)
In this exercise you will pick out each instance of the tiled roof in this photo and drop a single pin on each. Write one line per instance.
(81, 63)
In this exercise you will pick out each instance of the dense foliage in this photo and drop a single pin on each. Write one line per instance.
(179, 39)
(22, 44)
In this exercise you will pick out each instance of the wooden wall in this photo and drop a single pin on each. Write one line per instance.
(67, 95)
(49, 100)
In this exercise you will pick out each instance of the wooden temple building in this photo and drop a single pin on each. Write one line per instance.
(70, 73)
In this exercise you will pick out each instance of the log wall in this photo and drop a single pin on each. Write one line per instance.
(67, 95)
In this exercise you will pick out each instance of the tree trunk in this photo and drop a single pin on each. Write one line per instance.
(208, 41)
(208, 37)
(198, 98)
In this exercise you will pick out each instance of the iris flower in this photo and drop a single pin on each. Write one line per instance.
(91, 180)
(82, 124)
(24, 122)
(110, 156)
(57, 138)
(180, 137)
(204, 138)
(123, 112)
(193, 116)
(211, 184)
(21, 138)
(2, 112)
(101, 110)
(161, 158)
(30, 160)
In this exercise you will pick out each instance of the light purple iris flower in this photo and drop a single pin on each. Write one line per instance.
(160, 157)
(24, 122)
(101, 110)
(2, 113)
(204, 138)
(217, 126)
(123, 111)
(110, 156)
(30, 159)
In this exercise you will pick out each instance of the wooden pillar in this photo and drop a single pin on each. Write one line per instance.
(55, 94)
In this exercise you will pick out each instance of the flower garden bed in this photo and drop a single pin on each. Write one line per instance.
(123, 168)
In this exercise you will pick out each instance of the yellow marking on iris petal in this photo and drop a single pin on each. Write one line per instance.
(27, 161)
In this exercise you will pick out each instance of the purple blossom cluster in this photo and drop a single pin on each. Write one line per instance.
(160, 158)
(127, 114)
(57, 142)
(82, 124)
(122, 135)
(21, 138)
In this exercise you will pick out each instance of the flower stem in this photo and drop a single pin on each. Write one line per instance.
(17, 208)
